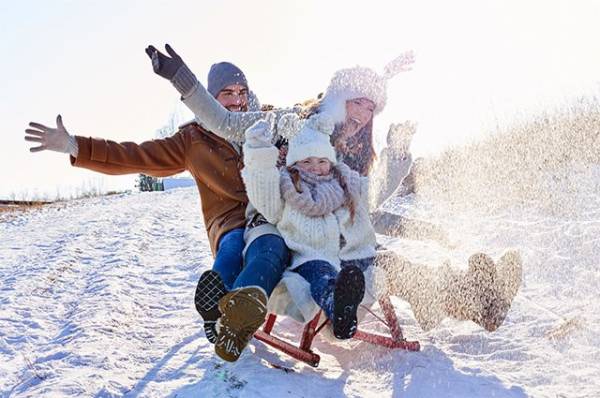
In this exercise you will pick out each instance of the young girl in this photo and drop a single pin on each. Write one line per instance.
(320, 208)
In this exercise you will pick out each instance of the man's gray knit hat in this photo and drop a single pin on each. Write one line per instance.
(222, 75)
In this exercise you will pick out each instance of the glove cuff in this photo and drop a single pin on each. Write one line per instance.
(254, 143)
(72, 147)
(184, 80)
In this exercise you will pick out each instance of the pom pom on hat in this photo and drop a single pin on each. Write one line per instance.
(311, 140)
(289, 125)
(321, 122)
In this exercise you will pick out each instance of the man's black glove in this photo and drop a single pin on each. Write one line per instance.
(162, 64)
(172, 68)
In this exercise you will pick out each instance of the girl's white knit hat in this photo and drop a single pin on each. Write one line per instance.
(307, 138)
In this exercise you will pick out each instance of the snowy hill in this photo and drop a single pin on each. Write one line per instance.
(97, 300)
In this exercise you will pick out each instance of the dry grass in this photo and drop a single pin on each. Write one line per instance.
(4, 207)
(525, 162)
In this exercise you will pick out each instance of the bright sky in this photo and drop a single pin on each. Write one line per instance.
(478, 64)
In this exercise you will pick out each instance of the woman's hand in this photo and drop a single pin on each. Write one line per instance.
(400, 136)
(52, 139)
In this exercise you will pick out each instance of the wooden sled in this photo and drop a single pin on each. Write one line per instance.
(304, 353)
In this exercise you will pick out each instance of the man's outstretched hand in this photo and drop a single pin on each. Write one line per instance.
(52, 139)
(172, 68)
(164, 65)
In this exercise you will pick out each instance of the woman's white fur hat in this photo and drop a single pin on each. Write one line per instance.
(307, 138)
(358, 82)
(351, 83)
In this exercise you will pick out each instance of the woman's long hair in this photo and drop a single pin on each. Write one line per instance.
(361, 153)
(348, 201)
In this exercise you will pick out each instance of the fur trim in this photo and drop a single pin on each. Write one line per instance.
(350, 83)
(334, 105)
(321, 123)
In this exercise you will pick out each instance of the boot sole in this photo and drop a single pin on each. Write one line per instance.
(348, 293)
(230, 343)
(209, 291)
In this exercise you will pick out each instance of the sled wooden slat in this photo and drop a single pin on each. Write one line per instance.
(386, 341)
(302, 354)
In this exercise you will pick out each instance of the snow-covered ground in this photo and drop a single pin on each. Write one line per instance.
(96, 300)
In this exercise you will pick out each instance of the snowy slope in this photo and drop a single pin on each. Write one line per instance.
(96, 300)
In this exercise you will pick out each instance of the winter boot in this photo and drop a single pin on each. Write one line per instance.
(244, 310)
(347, 294)
(209, 291)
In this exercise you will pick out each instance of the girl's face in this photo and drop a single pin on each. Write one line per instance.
(359, 111)
(314, 165)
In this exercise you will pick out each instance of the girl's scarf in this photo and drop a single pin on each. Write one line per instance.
(319, 196)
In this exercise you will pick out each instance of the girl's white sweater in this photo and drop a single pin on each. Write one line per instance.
(309, 238)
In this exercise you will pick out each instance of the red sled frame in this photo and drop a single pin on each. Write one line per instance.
(304, 353)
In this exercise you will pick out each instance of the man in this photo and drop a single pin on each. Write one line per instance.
(215, 164)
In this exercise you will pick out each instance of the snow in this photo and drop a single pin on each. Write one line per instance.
(96, 300)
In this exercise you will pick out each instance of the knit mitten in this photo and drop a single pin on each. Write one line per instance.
(173, 69)
(399, 138)
(260, 134)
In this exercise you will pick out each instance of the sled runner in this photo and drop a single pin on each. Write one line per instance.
(303, 351)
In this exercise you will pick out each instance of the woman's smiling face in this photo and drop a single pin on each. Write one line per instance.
(359, 111)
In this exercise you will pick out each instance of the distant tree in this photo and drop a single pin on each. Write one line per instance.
(176, 118)
(147, 183)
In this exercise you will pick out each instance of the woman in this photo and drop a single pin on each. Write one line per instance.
(482, 294)
(355, 96)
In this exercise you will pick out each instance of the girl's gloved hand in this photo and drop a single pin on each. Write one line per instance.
(260, 134)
